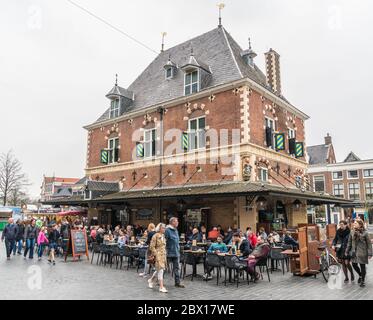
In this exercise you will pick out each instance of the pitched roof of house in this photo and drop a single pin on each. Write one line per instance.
(352, 157)
(215, 50)
(102, 186)
(59, 179)
(318, 154)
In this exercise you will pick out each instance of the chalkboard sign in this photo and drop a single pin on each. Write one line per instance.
(78, 244)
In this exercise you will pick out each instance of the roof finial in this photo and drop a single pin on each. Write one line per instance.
(249, 43)
(191, 51)
(116, 79)
(221, 7)
(164, 34)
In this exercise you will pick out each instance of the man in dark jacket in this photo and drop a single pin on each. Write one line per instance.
(9, 235)
(19, 238)
(173, 249)
(31, 235)
(242, 244)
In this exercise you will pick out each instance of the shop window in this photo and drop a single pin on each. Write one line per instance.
(113, 149)
(319, 183)
(354, 191)
(338, 190)
(149, 143)
(197, 133)
(191, 82)
(353, 174)
(338, 175)
(114, 108)
(369, 190)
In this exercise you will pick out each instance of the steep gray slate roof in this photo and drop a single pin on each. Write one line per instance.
(318, 154)
(102, 186)
(352, 157)
(216, 49)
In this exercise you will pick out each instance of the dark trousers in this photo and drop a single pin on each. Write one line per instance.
(176, 268)
(360, 271)
(30, 245)
(9, 244)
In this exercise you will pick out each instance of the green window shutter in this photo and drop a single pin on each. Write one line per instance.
(280, 141)
(104, 156)
(139, 150)
(185, 141)
(299, 149)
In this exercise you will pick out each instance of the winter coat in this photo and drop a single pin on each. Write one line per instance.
(42, 238)
(150, 236)
(53, 236)
(245, 247)
(158, 250)
(31, 232)
(172, 240)
(360, 244)
(197, 236)
(10, 232)
(341, 240)
(21, 232)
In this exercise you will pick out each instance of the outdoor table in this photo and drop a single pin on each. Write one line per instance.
(197, 253)
(293, 260)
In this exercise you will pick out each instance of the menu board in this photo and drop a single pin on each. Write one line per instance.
(78, 244)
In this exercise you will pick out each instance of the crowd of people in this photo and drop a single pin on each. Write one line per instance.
(352, 246)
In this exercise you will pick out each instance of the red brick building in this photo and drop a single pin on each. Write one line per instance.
(203, 134)
(351, 179)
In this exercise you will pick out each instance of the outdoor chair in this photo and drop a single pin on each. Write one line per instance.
(239, 268)
(213, 260)
(263, 263)
(115, 255)
(127, 253)
(277, 256)
(189, 259)
(95, 250)
(141, 257)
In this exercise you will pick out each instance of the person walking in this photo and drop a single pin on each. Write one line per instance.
(42, 241)
(151, 233)
(19, 238)
(360, 249)
(9, 235)
(31, 234)
(173, 249)
(53, 237)
(339, 245)
(158, 251)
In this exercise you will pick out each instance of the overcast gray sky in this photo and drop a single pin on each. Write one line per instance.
(57, 63)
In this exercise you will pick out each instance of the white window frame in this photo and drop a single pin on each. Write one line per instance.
(172, 73)
(115, 112)
(191, 83)
(198, 132)
(349, 193)
(337, 179)
(371, 187)
(343, 190)
(112, 150)
(314, 183)
(370, 173)
(292, 135)
(349, 177)
(261, 176)
(152, 153)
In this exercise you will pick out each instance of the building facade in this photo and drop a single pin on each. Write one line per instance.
(351, 179)
(54, 187)
(202, 134)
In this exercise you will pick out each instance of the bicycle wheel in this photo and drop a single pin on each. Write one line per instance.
(329, 266)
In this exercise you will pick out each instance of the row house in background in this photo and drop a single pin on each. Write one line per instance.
(351, 179)
(205, 135)
(55, 187)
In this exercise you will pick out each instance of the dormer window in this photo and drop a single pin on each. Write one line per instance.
(191, 83)
(169, 73)
(114, 108)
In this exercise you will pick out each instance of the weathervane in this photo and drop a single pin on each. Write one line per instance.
(164, 34)
(221, 7)
(116, 79)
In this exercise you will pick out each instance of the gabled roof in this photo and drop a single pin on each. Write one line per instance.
(352, 157)
(63, 192)
(215, 49)
(102, 186)
(318, 154)
(59, 179)
(82, 181)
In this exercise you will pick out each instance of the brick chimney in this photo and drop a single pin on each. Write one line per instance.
(273, 70)
(328, 139)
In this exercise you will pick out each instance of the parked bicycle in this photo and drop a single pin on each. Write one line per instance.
(328, 263)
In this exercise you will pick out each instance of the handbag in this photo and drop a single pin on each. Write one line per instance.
(151, 259)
